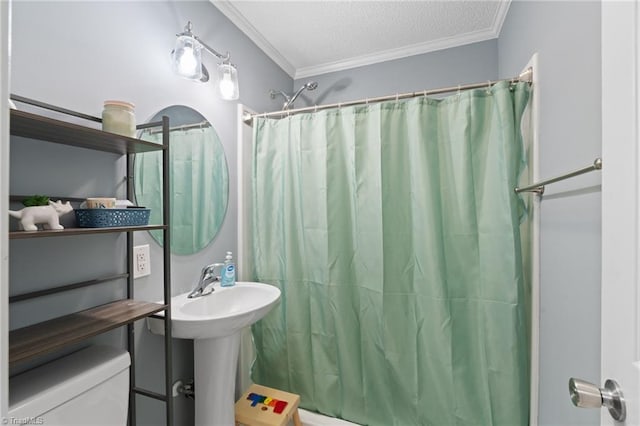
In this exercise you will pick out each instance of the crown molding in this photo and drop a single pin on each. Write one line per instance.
(392, 54)
(245, 26)
(501, 15)
(228, 10)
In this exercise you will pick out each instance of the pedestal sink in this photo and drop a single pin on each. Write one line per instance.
(214, 322)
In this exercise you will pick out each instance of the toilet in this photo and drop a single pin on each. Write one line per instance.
(87, 387)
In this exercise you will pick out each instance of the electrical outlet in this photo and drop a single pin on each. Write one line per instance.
(141, 261)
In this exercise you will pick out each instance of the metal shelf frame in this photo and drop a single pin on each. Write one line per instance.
(34, 126)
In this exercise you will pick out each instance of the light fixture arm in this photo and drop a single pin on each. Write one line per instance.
(187, 32)
(225, 57)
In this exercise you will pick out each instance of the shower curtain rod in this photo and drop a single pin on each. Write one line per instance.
(201, 125)
(525, 76)
(539, 187)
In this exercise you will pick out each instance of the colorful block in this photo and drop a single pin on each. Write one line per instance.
(278, 406)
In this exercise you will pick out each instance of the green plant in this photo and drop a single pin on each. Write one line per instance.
(36, 200)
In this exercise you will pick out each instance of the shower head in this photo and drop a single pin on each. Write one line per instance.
(288, 100)
(310, 85)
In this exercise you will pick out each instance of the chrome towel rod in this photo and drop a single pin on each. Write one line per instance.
(539, 187)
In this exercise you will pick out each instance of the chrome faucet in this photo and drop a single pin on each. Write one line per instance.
(207, 278)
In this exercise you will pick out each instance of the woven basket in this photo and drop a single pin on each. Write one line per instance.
(104, 218)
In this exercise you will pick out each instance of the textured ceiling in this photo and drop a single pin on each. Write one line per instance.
(313, 37)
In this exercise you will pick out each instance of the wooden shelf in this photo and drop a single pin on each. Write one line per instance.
(38, 339)
(47, 129)
(20, 235)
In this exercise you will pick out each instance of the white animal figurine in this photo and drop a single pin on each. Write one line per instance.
(47, 215)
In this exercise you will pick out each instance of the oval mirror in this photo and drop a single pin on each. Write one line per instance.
(199, 179)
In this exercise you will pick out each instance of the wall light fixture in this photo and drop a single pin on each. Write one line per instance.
(186, 59)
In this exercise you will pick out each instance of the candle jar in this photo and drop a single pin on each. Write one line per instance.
(118, 117)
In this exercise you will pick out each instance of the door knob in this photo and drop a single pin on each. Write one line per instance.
(587, 395)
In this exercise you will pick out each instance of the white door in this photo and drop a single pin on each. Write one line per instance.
(5, 19)
(620, 186)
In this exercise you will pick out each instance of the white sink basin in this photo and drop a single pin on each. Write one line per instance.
(222, 313)
(214, 322)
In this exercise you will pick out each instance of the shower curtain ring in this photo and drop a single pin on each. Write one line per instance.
(489, 87)
(397, 97)
(315, 108)
(424, 93)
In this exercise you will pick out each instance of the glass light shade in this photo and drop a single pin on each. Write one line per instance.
(227, 82)
(186, 58)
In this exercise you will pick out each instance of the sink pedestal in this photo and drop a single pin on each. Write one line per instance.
(215, 365)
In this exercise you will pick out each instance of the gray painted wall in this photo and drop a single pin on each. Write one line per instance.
(567, 37)
(76, 55)
(466, 64)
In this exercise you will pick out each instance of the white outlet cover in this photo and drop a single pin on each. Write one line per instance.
(141, 261)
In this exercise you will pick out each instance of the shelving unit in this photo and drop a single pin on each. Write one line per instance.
(30, 342)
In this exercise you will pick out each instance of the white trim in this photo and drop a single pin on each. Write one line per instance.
(238, 19)
(246, 355)
(501, 15)
(240, 246)
(534, 386)
(5, 55)
(250, 31)
(399, 53)
(244, 204)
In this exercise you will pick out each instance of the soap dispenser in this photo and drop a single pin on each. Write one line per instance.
(228, 272)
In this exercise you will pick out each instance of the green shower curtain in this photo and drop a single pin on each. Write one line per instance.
(392, 231)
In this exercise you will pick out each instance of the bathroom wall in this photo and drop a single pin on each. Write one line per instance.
(567, 37)
(465, 64)
(76, 55)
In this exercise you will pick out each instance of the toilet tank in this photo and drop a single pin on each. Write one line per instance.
(88, 387)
